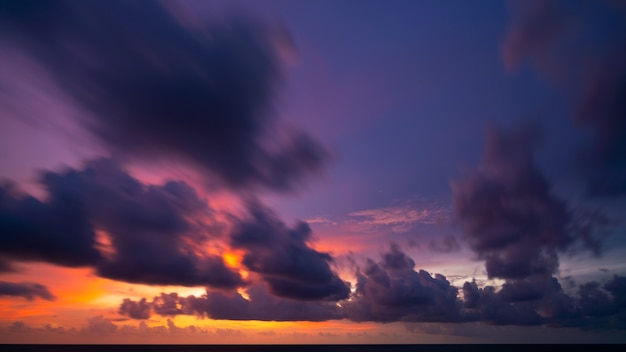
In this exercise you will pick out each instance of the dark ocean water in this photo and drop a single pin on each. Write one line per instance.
(304, 348)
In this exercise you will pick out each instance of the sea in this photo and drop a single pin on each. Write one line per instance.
(303, 348)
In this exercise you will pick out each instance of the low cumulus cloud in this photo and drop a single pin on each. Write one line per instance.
(135, 309)
(27, 290)
(100, 326)
(283, 258)
(258, 304)
(391, 289)
(157, 84)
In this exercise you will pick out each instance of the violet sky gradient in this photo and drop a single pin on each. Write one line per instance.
(444, 171)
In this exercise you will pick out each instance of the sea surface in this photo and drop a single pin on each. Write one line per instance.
(304, 348)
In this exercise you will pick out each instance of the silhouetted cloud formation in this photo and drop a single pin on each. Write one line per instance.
(262, 305)
(391, 290)
(594, 305)
(156, 85)
(513, 221)
(100, 216)
(167, 304)
(582, 45)
(258, 305)
(508, 213)
(135, 310)
(152, 239)
(283, 258)
(27, 290)
(56, 231)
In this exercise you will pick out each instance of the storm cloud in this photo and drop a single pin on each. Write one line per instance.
(150, 237)
(283, 258)
(56, 231)
(391, 290)
(509, 215)
(157, 84)
(135, 309)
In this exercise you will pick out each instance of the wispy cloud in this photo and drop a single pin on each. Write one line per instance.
(400, 218)
(320, 220)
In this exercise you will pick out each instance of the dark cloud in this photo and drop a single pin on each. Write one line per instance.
(154, 234)
(582, 46)
(157, 85)
(151, 234)
(259, 305)
(55, 231)
(513, 221)
(617, 287)
(604, 112)
(262, 306)
(135, 310)
(595, 302)
(27, 290)
(152, 237)
(168, 304)
(529, 289)
(509, 216)
(485, 304)
(543, 302)
(283, 258)
(390, 290)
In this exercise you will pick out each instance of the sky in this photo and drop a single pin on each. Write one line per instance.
(312, 171)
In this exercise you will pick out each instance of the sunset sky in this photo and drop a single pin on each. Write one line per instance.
(342, 171)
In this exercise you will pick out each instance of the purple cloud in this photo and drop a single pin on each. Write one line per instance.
(156, 87)
(391, 290)
(151, 234)
(27, 290)
(508, 213)
(258, 305)
(283, 258)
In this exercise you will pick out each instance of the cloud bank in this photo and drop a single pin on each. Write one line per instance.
(391, 290)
